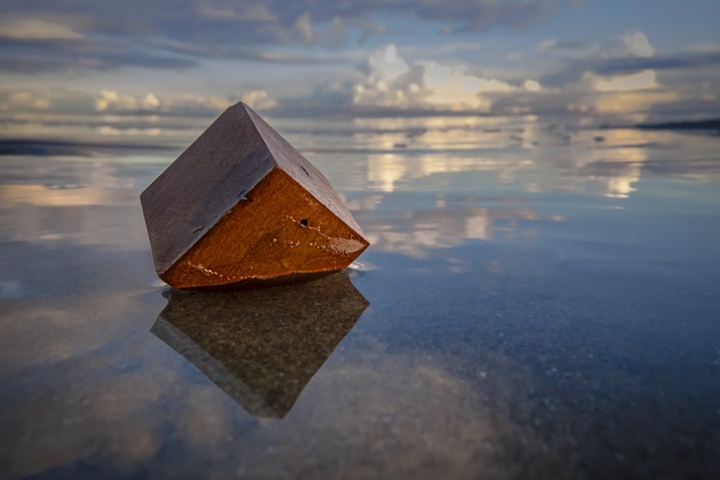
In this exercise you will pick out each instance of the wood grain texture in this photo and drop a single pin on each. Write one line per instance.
(242, 204)
(302, 171)
(205, 181)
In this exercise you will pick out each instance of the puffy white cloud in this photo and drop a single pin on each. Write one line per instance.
(334, 35)
(392, 82)
(259, 99)
(386, 64)
(453, 88)
(620, 76)
(635, 44)
(24, 100)
(304, 27)
(637, 92)
(191, 103)
(112, 100)
(106, 99)
(635, 101)
(638, 44)
(644, 80)
(532, 86)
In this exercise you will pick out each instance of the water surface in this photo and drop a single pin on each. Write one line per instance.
(539, 301)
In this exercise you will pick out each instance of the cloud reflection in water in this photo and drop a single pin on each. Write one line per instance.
(517, 316)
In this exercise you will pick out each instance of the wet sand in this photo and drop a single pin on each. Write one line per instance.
(536, 304)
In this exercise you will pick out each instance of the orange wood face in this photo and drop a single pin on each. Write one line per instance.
(279, 230)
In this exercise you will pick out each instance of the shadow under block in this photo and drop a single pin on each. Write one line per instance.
(241, 205)
(262, 347)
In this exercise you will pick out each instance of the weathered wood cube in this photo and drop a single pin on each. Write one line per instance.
(241, 206)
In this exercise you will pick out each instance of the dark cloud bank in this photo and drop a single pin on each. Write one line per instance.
(175, 34)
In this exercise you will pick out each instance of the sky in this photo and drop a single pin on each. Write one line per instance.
(638, 59)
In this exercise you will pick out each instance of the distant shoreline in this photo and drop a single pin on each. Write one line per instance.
(713, 124)
(57, 147)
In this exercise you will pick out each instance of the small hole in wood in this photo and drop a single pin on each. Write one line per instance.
(304, 222)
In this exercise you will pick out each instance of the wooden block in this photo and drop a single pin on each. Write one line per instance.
(241, 206)
(262, 347)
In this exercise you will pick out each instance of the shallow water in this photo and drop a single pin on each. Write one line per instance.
(538, 302)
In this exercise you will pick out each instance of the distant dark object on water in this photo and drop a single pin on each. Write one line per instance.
(599, 139)
(688, 125)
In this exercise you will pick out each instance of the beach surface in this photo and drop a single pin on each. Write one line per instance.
(540, 300)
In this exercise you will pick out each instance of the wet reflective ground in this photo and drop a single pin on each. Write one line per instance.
(539, 301)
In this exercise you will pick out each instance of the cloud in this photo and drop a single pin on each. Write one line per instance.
(645, 80)
(304, 26)
(78, 109)
(335, 35)
(628, 54)
(623, 75)
(687, 60)
(604, 94)
(638, 44)
(259, 100)
(242, 52)
(632, 102)
(632, 44)
(223, 29)
(480, 16)
(392, 82)
(555, 44)
(592, 93)
(34, 29)
(255, 13)
(532, 85)
(37, 56)
(23, 100)
(111, 100)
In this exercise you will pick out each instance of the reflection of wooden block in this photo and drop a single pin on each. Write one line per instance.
(262, 347)
(241, 205)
